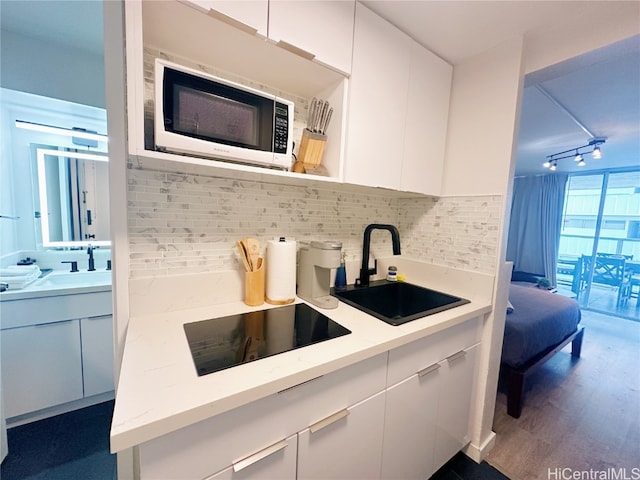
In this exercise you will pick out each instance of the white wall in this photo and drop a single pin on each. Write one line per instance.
(482, 121)
(51, 70)
(619, 21)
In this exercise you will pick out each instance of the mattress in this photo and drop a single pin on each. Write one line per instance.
(539, 320)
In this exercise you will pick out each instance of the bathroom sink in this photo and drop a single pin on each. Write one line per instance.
(397, 302)
(76, 279)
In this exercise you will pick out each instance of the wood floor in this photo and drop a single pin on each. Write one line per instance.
(579, 414)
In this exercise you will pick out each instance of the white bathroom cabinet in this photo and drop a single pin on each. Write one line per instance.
(97, 354)
(51, 357)
(398, 109)
(41, 366)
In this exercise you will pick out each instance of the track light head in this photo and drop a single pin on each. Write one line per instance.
(597, 154)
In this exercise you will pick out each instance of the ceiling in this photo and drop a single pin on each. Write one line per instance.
(599, 90)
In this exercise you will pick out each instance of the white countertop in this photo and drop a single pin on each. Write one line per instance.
(159, 390)
(37, 290)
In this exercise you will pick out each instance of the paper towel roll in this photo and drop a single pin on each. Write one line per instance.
(281, 271)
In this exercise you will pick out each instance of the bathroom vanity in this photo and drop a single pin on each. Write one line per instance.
(56, 341)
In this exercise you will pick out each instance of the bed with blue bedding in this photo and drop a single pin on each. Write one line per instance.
(539, 325)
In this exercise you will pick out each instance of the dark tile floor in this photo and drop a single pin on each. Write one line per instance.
(71, 446)
(462, 467)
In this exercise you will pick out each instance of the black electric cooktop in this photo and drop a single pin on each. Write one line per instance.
(225, 342)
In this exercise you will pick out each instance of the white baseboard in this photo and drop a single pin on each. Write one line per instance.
(478, 453)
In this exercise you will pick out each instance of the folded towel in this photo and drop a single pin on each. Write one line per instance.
(19, 270)
(19, 276)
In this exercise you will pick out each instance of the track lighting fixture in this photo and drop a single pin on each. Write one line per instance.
(594, 144)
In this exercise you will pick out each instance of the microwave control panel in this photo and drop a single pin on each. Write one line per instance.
(281, 128)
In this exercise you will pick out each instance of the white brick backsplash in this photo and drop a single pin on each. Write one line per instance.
(189, 223)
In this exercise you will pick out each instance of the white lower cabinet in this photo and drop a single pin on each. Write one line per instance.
(398, 415)
(429, 403)
(456, 389)
(97, 354)
(218, 443)
(41, 366)
(410, 426)
(277, 461)
(347, 444)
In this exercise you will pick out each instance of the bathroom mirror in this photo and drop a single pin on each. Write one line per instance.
(73, 191)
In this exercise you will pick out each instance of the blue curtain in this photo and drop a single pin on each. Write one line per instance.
(536, 221)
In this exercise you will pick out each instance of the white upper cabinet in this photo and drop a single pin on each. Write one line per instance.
(398, 109)
(377, 102)
(320, 30)
(426, 125)
(249, 15)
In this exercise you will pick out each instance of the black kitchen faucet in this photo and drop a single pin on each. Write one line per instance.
(365, 271)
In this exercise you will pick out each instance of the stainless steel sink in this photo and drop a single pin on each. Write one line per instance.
(397, 302)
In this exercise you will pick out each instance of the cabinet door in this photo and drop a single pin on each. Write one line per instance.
(347, 444)
(276, 461)
(323, 29)
(41, 366)
(454, 406)
(410, 426)
(97, 354)
(377, 102)
(426, 125)
(251, 15)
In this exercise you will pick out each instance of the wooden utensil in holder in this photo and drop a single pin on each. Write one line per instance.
(311, 149)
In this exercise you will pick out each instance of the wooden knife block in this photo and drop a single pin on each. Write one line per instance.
(311, 149)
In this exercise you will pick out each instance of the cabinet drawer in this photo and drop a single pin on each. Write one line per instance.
(277, 461)
(20, 313)
(316, 400)
(416, 356)
(199, 450)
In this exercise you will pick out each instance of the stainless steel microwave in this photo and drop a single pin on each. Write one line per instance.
(203, 115)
